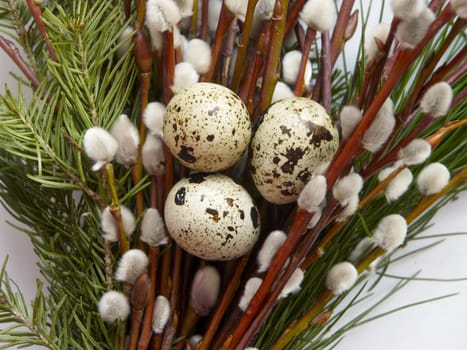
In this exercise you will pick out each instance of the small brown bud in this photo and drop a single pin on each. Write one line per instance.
(352, 24)
(140, 292)
(143, 52)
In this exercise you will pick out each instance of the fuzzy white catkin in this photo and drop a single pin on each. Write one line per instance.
(293, 285)
(205, 290)
(198, 53)
(341, 277)
(312, 194)
(281, 90)
(251, 286)
(124, 41)
(109, 226)
(152, 155)
(416, 152)
(100, 146)
(153, 118)
(319, 15)
(362, 248)
(380, 32)
(380, 129)
(271, 245)
(411, 32)
(238, 8)
(185, 75)
(383, 174)
(127, 137)
(349, 209)
(132, 264)
(390, 232)
(186, 7)
(460, 6)
(437, 99)
(153, 228)
(407, 9)
(398, 185)
(433, 178)
(113, 306)
(347, 187)
(349, 117)
(162, 15)
(160, 314)
(291, 66)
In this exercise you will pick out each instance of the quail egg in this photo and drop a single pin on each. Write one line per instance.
(212, 217)
(293, 138)
(207, 127)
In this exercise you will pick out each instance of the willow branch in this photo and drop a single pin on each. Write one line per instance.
(243, 45)
(12, 51)
(273, 58)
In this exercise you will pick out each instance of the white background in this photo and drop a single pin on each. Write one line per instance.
(437, 325)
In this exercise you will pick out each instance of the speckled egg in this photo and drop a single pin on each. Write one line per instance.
(207, 127)
(293, 138)
(212, 217)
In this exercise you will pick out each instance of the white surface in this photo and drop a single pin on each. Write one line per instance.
(437, 325)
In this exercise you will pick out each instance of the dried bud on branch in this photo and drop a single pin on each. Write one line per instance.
(205, 290)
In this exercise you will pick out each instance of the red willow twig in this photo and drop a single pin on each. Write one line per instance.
(339, 33)
(326, 71)
(12, 51)
(243, 45)
(292, 16)
(300, 85)
(278, 22)
(225, 19)
(36, 13)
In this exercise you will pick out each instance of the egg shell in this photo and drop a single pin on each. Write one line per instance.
(207, 127)
(293, 138)
(212, 217)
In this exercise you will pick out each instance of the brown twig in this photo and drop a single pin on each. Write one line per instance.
(326, 71)
(273, 58)
(339, 32)
(243, 45)
(12, 51)
(36, 13)
(227, 53)
(227, 297)
(292, 16)
(300, 84)
(204, 19)
(225, 19)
